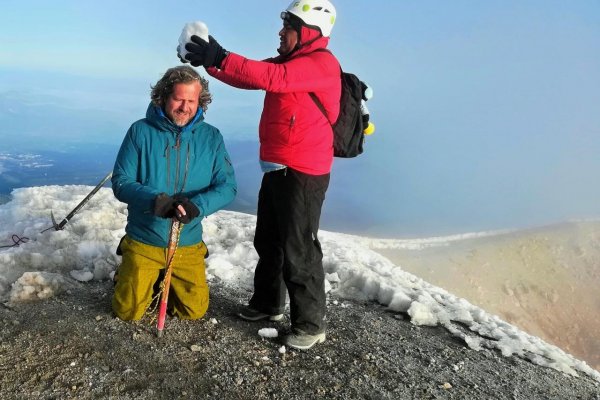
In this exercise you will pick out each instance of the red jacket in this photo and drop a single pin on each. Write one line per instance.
(292, 130)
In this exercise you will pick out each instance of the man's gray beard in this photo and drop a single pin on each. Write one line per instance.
(173, 120)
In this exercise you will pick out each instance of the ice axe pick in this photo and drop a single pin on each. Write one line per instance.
(59, 226)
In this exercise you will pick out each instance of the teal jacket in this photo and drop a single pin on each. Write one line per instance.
(157, 156)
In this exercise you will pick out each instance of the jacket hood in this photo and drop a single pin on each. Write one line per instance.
(310, 40)
(157, 117)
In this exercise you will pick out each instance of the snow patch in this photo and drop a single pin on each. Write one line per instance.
(268, 333)
(36, 286)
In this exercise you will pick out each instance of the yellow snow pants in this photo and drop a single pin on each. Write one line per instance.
(139, 271)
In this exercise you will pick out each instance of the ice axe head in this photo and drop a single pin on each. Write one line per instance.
(55, 226)
(61, 225)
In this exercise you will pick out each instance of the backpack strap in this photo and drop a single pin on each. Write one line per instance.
(314, 97)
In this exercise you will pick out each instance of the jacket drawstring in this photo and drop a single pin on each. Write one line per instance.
(185, 171)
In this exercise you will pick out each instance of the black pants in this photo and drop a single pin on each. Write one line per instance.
(290, 256)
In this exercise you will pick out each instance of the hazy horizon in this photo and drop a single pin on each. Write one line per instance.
(342, 212)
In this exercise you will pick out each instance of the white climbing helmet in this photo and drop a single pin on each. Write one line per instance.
(318, 14)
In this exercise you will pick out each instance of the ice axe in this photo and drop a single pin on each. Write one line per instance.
(61, 225)
(172, 247)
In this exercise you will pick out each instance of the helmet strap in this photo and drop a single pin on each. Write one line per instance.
(300, 45)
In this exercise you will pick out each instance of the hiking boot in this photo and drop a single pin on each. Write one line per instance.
(250, 314)
(303, 341)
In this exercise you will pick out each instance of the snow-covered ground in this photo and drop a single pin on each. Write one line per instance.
(47, 262)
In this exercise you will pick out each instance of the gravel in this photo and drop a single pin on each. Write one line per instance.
(71, 346)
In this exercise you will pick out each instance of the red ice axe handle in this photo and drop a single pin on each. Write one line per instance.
(164, 298)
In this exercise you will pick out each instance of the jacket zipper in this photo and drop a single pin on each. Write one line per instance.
(168, 157)
(177, 161)
(185, 172)
(177, 147)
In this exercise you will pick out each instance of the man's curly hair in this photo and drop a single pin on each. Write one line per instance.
(181, 74)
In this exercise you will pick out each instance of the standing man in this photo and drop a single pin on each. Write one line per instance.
(171, 164)
(296, 154)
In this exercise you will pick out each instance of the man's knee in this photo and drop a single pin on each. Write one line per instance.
(191, 305)
(124, 304)
(130, 299)
(135, 278)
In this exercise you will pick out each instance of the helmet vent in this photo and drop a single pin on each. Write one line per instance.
(321, 9)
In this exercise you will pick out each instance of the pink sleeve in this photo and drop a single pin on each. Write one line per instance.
(303, 74)
(228, 78)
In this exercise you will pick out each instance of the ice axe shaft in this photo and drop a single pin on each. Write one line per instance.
(61, 225)
(164, 298)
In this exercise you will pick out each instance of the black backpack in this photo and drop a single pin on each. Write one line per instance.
(348, 137)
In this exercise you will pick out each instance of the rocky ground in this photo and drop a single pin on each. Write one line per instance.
(71, 347)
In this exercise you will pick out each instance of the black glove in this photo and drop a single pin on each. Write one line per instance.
(209, 54)
(191, 211)
(164, 206)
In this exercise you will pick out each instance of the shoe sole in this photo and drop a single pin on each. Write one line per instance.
(276, 317)
(320, 339)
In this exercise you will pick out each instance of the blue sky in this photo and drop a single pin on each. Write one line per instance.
(487, 113)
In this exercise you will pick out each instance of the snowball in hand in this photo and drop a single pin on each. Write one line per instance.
(197, 28)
